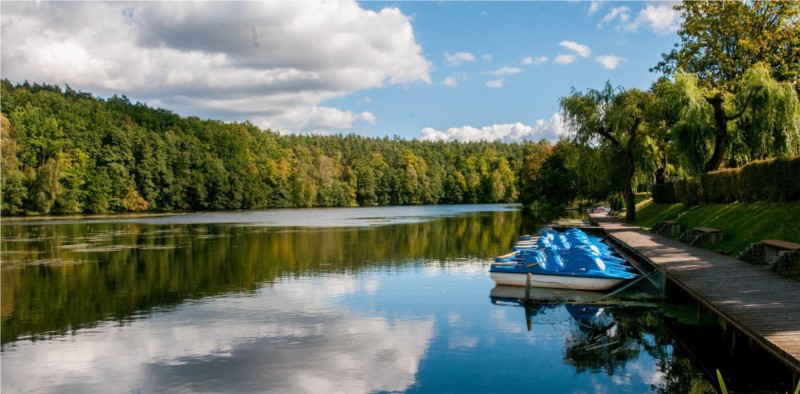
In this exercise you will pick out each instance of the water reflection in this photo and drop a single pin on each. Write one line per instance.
(57, 278)
(108, 306)
(311, 217)
(288, 338)
(629, 344)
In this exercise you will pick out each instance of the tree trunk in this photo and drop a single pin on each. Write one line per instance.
(627, 191)
(720, 133)
(661, 172)
(630, 169)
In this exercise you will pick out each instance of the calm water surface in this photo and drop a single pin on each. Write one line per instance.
(323, 300)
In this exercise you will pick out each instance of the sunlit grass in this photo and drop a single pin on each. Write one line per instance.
(741, 223)
(649, 213)
(745, 223)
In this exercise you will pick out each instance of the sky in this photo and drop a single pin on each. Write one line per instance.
(463, 71)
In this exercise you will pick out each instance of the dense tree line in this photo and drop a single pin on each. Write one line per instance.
(65, 151)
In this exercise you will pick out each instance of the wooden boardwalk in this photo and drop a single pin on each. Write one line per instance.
(763, 305)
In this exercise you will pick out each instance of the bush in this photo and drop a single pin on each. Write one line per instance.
(616, 202)
(754, 177)
(789, 172)
(721, 186)
(664, 193)
(767, 180)
(770, 180)
(689, 191)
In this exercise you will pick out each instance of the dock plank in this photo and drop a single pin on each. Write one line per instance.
(761, 304)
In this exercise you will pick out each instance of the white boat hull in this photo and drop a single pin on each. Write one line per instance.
(555, 281)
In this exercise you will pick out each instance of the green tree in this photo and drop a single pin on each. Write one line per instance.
(557, 180)
(533, 159)
(73, 174)
(369, 170)
(762, 119)
(12, 178)
(618, 118)
(719, 42)
(770, 124)
(47, 186)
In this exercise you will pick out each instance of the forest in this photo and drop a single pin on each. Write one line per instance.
(66, 151)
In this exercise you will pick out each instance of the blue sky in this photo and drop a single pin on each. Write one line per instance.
(424, 70)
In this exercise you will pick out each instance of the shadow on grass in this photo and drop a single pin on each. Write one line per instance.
(742, 223)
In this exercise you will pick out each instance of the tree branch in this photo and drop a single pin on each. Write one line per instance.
(603, 133)
(746, 104)
(634, 128)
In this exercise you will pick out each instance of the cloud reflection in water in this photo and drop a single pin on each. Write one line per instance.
(288, 338)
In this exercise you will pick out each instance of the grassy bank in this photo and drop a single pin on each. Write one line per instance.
(742, 223)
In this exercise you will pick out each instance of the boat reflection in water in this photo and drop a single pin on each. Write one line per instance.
(575, 303)
(602, 337)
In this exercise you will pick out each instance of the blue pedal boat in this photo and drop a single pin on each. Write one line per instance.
(575, 261)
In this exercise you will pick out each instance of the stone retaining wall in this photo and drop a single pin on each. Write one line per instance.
(777, 259)
(670, 228)
(787, 263)
(701, 237)
(755, 254)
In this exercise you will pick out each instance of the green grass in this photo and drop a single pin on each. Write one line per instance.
(649, 213)
(639, 198)
(741, 223)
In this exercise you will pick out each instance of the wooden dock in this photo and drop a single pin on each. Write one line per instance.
(763, 305)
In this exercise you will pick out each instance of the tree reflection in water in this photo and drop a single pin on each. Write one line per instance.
(60, 277)
(612, 338)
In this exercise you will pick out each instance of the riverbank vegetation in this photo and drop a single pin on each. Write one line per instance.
(69, 152)
(742, 223)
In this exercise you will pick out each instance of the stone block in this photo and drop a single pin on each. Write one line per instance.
(786, 263)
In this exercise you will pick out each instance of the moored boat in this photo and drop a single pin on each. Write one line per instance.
(572, 260)
(559, 280)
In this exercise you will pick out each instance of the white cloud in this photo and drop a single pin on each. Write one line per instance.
(551, 129)
(495, 84)
(455, 59)
(369, 117)
(610, 61)
(661, 19)
(581, 50)
(622, 13)
(534, 60)
(504, 71)
(231, 60)
(316, 120)
(565, 59)
(453, 80)
(487, 57)
(594, 6)
(450, 82)
(556, 126)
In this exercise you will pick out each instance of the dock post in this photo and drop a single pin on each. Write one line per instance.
(527, 288)
(528, 317)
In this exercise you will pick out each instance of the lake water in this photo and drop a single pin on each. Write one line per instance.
(349, 300)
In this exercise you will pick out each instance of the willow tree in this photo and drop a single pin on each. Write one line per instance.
(719, 42)
(762, 119)
(619, 119)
